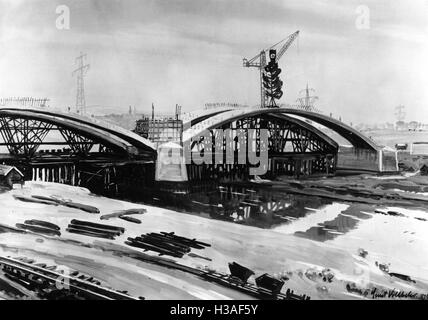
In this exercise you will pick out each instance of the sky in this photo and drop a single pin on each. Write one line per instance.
(190, 52)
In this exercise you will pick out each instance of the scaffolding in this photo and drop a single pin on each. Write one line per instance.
(160, 130)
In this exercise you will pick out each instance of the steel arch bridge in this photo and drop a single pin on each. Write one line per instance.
(52, 146)
(294, 146)
(23, 131)
(214, 117)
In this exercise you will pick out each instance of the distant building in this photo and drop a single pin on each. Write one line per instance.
(419, 148)
(413, 125)
(10, 175)
(160, 131)
(401, 146)
(400, 125)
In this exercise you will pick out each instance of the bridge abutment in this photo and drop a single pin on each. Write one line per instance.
(364, 160)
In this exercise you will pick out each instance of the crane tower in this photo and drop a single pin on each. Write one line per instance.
(259, 61)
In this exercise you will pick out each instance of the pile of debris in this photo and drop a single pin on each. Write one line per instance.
(92, 229)
(385, 268)
(166, 243)
(390, 213)
(39, 226)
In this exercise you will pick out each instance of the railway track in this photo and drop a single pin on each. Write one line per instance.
(44, 280)
(250, 289)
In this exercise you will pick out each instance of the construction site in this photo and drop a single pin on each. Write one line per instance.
(274, 198)
(73, 147)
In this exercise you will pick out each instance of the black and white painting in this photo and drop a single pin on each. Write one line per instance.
(213, 150)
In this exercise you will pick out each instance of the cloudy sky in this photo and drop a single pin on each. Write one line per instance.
(190, 52)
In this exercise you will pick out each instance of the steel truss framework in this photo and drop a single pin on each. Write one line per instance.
(23, 136)
(292, 148)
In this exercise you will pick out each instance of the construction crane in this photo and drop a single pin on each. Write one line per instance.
(259, 62)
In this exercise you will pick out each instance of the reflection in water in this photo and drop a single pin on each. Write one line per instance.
(258, 207)
(305, 216)
(345, 221)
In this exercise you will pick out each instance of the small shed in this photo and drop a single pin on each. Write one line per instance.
(10, 175)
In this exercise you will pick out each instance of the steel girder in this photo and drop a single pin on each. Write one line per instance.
(22, 136)
(284, 137)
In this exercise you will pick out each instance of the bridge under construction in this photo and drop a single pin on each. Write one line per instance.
(53, 146)
(68, 148)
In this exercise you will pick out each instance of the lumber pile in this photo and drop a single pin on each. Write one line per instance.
(55, 202)
(40, 226)
(93, 229)
(123, 214)
(166, 243)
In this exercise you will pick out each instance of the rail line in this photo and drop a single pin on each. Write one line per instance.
(39, 278)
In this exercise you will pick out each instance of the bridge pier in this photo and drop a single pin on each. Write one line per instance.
(60, 173)
(363, 160)
(301, 165)
(114, 179)
(293, 165)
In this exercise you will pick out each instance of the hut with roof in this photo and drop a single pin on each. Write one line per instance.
(9, 176)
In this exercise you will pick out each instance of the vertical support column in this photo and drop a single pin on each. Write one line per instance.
(72, 174)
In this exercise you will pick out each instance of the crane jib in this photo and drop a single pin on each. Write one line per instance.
(259, 61)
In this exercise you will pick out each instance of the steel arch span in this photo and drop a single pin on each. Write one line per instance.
(356, 138)
(23, 131)
(294, 147)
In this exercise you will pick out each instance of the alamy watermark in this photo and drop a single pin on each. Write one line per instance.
(62, 282)
(228, 146)
(362, 22)
(62, 21)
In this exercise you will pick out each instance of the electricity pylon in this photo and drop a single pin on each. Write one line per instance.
(80, 93)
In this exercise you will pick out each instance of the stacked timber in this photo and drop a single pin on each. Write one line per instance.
(166, 243)
(130, 219)
(80, 206)
(55, 202)
(40, 226)
(92, 229)
(34, 200)
(123, 214)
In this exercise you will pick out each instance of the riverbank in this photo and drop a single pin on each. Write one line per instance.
(283, 251)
